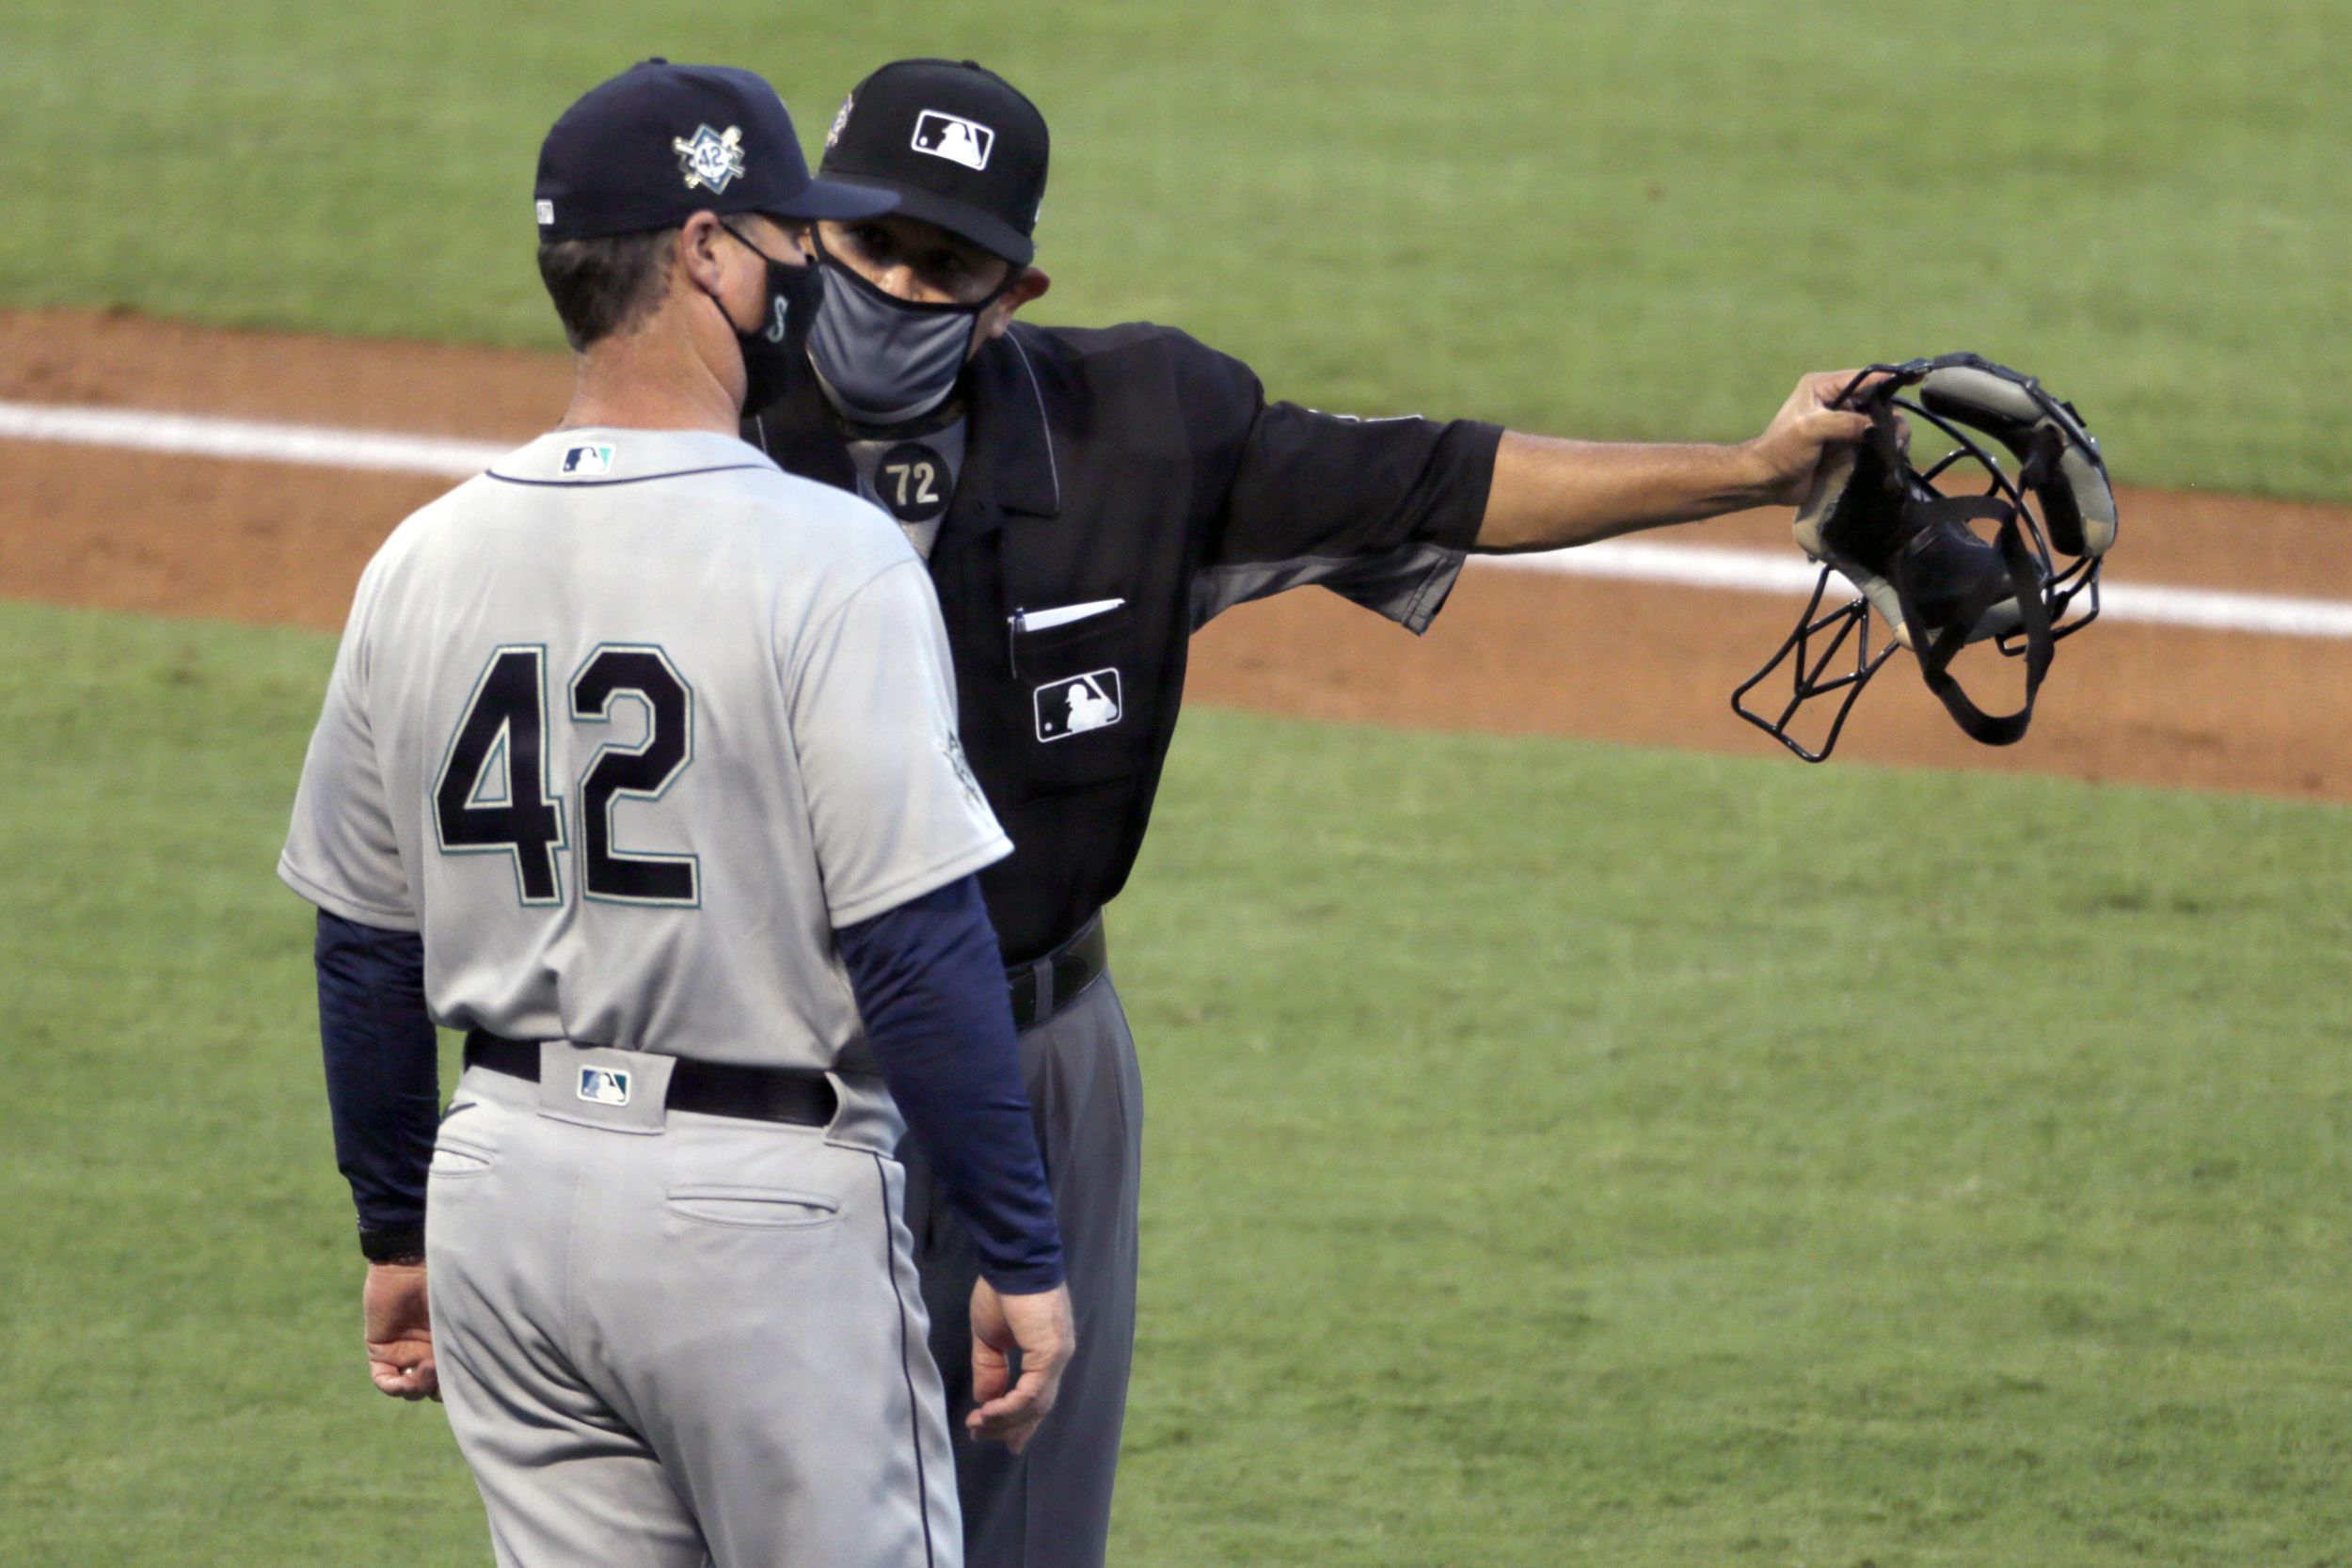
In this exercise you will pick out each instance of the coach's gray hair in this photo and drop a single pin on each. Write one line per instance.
(606, 285)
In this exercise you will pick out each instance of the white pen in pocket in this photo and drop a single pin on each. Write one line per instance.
(1022, 621)
(1062, 615)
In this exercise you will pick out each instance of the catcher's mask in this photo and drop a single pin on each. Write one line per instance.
(1905, 542)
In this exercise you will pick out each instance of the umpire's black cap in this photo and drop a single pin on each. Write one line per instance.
(956, 143)
(662, 142)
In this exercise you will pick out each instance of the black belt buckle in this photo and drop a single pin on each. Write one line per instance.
(1045, 986)
(797, 1099)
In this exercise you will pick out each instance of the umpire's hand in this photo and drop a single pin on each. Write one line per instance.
(1038, 1329)
(1810, 422)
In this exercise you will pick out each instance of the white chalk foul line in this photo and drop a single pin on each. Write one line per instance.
(195, 435)
(1682, 565)
(1756, 572)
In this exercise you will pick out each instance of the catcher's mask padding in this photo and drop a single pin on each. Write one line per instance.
(1878, 522)
(2079, 507)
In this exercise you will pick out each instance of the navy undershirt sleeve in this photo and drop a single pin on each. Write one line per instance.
(930, 985)
(383, 1066)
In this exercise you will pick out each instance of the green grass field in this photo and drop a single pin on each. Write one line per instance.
(1558, 1155)
(1612, 218)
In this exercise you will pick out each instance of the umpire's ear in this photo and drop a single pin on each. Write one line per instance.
(1030, 285)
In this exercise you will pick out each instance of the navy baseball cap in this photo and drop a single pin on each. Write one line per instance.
(957, 144)
(662, 142)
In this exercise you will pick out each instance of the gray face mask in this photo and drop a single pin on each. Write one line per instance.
(884, 360)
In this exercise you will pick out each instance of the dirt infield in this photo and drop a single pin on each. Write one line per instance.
(1516, 652)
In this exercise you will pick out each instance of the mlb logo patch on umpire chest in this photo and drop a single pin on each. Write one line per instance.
(604, 1085)
(1082, 702)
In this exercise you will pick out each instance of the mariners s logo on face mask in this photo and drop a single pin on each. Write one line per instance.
(775, 353)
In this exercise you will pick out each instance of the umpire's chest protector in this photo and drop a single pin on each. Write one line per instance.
(1121, 487)
(1064, 574)
(1063, 571)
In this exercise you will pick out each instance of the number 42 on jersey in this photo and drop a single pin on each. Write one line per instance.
(494, 794)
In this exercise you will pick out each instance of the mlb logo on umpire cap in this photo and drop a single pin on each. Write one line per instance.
(604, 1085)
(958, 144)
(953, 137)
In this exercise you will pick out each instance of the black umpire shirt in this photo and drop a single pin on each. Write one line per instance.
(1119, 487)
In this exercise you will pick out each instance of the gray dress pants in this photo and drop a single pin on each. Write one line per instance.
(1050, 1506)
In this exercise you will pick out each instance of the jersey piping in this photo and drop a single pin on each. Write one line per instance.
(634, 479)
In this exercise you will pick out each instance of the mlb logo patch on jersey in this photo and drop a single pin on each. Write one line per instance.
(953, 137)
(596, 459)
(1082, 702)
(604, 1085)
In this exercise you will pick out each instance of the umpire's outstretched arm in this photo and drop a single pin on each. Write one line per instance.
(1549, 494)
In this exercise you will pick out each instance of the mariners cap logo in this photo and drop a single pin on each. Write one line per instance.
(953, 137)
(710, 158)
(604, 1085)
(840, 121)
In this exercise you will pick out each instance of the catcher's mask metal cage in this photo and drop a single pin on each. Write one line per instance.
(1902, 539)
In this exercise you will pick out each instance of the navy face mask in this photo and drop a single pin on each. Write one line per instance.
(883, 360)
(775, 353)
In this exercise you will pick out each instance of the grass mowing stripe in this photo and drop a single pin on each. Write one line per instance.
(1610, 221)
(1563, 1154)
(181, 1343)
(1557, 1153)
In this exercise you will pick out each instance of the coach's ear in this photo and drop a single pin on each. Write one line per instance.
(703, 242)
(1030, 285)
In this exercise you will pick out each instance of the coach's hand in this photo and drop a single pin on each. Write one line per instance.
(1040, 1329)
(398, 1332)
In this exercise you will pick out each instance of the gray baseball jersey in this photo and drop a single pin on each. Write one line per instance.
(626, 727)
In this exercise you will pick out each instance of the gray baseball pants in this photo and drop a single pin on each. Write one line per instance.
(1050, 1506)
(669, 1339)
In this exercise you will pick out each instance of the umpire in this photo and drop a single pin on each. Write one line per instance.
(1087, 499)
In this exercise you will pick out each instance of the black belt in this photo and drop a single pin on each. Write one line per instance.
(1045, 986)
(710, 1088)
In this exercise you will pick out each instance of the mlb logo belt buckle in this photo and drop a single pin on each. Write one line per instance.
(604, 1085)
(621, 1091)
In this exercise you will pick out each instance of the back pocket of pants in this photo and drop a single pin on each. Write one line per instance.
(451, 1159)
(753, 1208)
